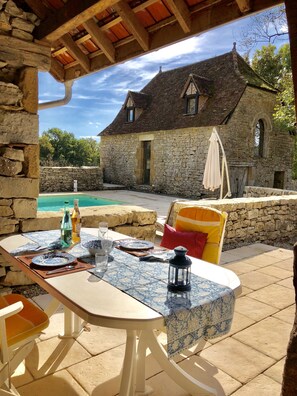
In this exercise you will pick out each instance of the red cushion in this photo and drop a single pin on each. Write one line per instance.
(193, 241)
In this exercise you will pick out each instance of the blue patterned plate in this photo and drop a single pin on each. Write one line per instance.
(53, 259)
(136, 244)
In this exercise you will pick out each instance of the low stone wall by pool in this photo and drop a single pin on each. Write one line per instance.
(271, 220)
(61, 179)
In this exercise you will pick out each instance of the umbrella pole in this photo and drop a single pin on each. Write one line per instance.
(224, 168)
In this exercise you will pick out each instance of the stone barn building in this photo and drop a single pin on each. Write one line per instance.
(160, 137)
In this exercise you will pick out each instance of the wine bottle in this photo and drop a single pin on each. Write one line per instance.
(76, 223)
(66, 227)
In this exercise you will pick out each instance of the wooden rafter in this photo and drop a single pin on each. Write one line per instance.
(182, 14)
(74, 13)
(73, 49)
(133, 24)
(39, 9)
(169, 33)
(100, 39)
(244, 5)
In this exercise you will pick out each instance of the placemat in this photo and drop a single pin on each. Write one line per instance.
(81, 266)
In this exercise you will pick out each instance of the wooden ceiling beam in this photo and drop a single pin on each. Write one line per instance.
(133, 24)
(57, 70)
(74, 13)
(100, 39)
(73, 49)
(244, 5)
(38, 8)
(222, 13)
(182, 14)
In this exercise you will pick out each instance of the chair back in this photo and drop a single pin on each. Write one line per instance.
(208, 220)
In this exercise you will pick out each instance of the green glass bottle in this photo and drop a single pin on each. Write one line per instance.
(66, 227)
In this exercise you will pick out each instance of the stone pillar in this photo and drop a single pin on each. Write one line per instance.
(20, 60)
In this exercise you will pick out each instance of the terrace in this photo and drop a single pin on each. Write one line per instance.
(249, 359)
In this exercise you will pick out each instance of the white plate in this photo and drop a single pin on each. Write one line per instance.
(53, 259)
(136, 244)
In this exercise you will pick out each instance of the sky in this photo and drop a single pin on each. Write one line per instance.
(97, 98)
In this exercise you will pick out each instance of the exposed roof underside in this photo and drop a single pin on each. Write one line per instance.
(90, 35)
(227, 75)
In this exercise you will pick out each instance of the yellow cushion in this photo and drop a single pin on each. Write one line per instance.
(29, 321)
(207, 220)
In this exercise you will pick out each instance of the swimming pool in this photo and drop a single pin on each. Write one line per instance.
(54, 203)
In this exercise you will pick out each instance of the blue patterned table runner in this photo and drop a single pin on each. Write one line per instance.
(205, 312)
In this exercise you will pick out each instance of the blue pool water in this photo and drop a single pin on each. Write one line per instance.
(55, 203)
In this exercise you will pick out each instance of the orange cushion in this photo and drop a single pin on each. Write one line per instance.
(207, 220)
(31, 320)
(193, 241)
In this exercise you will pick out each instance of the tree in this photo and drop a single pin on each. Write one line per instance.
(268, 27)
(61, 148)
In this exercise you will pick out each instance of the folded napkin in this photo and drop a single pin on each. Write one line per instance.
(162, 256)
(32, 247)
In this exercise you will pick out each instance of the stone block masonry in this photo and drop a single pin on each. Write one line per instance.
(61, 179)
(269, 220)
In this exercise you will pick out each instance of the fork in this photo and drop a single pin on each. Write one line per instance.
(66, 268)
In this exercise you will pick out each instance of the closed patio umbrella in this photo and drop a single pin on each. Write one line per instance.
(213, 177)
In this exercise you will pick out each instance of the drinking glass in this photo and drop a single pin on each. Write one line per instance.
(107, 245)
(101, 263)
(103, 228)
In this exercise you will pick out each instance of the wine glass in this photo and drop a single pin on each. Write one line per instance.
(103, 228)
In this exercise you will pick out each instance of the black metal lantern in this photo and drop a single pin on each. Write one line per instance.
(179, 273)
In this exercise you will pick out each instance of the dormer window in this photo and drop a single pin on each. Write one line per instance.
(192, 104)
(191, 96)
(130, 112)
(196, 91)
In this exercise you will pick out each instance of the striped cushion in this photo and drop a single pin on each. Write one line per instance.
(207, 220)
(29, 321)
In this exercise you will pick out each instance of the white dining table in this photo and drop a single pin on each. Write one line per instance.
(87, 298)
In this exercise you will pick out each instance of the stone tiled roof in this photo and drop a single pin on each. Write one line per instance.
(140, 99)
(224, 78)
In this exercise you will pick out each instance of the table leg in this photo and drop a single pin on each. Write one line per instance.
(129, 364)
(141, 388)
(177, 374)
(73, 324)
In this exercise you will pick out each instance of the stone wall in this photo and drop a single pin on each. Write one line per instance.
(60, 179)
(268, 220)
(252, 191)
(20, 60)
(178, 156)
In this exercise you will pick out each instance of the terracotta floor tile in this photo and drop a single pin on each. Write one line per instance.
(254, 309)
(261, 385)
(238, 360)
(58, 384)
(275, 295)
(256, 280)
(269, 336)
(54, 354)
